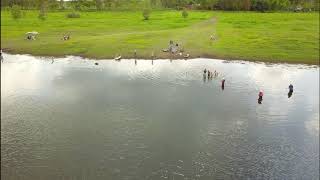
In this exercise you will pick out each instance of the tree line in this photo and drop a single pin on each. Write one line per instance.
(232, 5)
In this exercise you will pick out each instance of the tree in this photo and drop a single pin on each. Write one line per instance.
(184, 13)
(16, 12)
(61, 4)
(260, 5)
(246, 5)
(99, 5)
(42, 11)
(146, 14)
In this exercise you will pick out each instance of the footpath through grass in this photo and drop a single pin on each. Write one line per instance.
(272, 37)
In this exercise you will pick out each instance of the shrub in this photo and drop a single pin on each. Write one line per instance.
(16, 12)
(73, 15)
(185, 13)
(146, 14)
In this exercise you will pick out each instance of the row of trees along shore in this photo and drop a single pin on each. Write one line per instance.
(230, 5)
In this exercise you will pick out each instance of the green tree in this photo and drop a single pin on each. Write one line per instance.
(184, 13)
(43, 9)
(99, 5)
(16, 12)
(146, 14)
(261, 5)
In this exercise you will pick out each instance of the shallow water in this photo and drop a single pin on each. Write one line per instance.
(71, 119)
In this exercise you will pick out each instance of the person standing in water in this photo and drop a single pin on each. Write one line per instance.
(1, 56)
(260, 97)
(222, 83)
(208, 74)
(290, 90)
(204, 75)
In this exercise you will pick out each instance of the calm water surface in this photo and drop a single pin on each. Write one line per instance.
(71, 119)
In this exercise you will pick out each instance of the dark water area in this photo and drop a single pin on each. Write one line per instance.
(72, 119)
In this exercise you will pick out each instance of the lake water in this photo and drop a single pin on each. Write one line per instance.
(72, 119)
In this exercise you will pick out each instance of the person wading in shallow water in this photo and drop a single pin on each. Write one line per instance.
(290, 90)
(222, 83)
(1, 56)
(204, 75)
(260, 97)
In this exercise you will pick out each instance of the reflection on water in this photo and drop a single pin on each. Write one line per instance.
(162, 119)
(290, 94)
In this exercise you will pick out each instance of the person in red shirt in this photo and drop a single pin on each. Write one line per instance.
(260, 97)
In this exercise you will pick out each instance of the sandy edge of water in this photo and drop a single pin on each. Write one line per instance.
(162, 56)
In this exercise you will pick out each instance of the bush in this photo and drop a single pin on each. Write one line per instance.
(185, 13)
(146, 14)
(73, 15)
(16, 12)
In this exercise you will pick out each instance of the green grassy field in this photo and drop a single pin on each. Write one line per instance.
(272, 37)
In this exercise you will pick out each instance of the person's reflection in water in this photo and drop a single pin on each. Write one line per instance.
(152, 62)
(135, 62)
(204, 77)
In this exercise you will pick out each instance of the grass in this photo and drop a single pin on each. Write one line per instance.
(272, 37)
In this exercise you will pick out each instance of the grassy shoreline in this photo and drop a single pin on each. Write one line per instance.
(268, 37)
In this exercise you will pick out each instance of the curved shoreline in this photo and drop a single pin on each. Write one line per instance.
(163, 56)
(10, 52)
